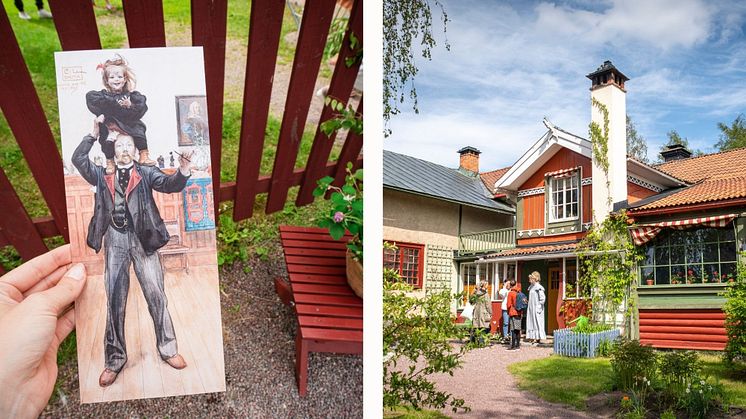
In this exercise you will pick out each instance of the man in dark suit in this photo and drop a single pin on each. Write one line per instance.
(127, 221)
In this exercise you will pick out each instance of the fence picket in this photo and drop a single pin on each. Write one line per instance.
(22, 109)
(340, 88)
(144, 19)
(17, 227)
(311, 41)
(208, 31)
(264, 39)
(76, 24)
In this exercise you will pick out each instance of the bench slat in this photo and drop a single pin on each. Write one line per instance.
(330, 322)
(317, 270)
(303, 251)
(329, 300)
(331, 334)
(315, 260)
(317, 279)
(334, 311)
(323, 289)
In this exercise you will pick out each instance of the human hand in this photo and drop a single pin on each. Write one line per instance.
(96, 121)
(125, 102)
(185, 162)
(35, 316)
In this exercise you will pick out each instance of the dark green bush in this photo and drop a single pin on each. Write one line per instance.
(678, 369)
(632, 362)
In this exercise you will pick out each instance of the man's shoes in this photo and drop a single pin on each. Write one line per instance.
(177, 361)
(43, 14)
(145, 158)
(24, 16)
(107, 378)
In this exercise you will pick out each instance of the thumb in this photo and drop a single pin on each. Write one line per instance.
(66, 291)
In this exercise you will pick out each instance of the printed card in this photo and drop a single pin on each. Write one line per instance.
(136, 153)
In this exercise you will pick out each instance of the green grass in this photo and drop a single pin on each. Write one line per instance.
(732, 379)
(408, 413)
(564, 380)
(573, 380)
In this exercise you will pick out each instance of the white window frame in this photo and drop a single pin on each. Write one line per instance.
(565, 205)
(499, 274)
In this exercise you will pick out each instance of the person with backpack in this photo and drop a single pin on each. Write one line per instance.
(517, 303)
(535, 313)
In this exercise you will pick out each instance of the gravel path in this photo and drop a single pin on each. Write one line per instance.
(259, 336)
(490, 390)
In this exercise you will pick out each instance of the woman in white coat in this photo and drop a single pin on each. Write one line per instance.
(535, 314)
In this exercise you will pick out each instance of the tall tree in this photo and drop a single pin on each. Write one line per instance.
(733, 136)
(405, 22)
(637, 147)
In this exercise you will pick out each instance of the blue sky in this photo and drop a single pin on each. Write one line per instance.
(513, 63)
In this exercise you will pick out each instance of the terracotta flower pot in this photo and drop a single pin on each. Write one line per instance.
(355, 274)
(649, 281)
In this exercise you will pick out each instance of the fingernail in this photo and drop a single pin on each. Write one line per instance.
(77, 272)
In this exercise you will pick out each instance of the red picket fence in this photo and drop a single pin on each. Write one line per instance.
(76, 26)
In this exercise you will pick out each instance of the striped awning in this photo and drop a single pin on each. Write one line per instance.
(643, 233)
(562, 173)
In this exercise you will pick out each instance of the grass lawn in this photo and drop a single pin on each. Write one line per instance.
(732, 379)
(38, 41)
(573, 380)
(565, 380)
(404, 413)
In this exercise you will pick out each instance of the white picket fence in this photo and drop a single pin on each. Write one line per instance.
(569, 343)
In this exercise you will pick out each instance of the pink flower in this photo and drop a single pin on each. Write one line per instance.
(338, 217)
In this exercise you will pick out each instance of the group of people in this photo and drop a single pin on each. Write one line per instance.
(515, 305)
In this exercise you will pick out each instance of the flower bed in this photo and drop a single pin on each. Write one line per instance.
(570, 343)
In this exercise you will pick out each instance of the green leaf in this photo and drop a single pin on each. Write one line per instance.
(338, 199)
(336, 231)
(357, 205)
(349, 190)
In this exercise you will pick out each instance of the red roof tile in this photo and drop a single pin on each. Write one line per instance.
(490, 178)
(716, 177)
(518, 251)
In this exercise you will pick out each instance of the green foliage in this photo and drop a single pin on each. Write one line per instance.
(735, 318)
(600, 139)
(608, 257)
(668, 414)
(406, 24)
(346, 213)
(344, 118)
(560, 379)
(678, 369)
(675, 139)
(336, 35)
(416, 332)
(733, 136)
(583, 325)
(701, 397)
(637, 147)
(632, 364)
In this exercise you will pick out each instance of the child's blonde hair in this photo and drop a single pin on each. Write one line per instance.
(119, 61)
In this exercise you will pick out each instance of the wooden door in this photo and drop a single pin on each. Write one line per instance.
(553, 288)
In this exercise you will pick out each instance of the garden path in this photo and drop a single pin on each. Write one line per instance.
(491, 391)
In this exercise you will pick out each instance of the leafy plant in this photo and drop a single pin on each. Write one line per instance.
(347, 209)
(701, 397)
(678, 369)
(583, 325)
(608, 257)
(735, 318)
(231, 241)
(632, 362)
(336, 35)
(344, 118)
(416, 332)
(572, 309)
(600, 141)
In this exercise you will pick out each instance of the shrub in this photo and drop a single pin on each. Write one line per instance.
(678, 369)
(416, 332)
(735, 318)
(700, 397)
(632, 363)
(584, 325)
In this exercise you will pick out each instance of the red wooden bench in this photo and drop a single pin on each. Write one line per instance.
(330, 315)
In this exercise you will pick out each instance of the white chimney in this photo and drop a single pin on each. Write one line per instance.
(607, 88)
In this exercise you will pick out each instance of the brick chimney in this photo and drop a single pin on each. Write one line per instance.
(675, 152)
(607, 87)
(469, 161)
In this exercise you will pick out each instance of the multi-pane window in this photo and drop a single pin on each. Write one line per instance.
(572, 287)
(563, 198)
(693, 256)
(408, 261)
(495, 273)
